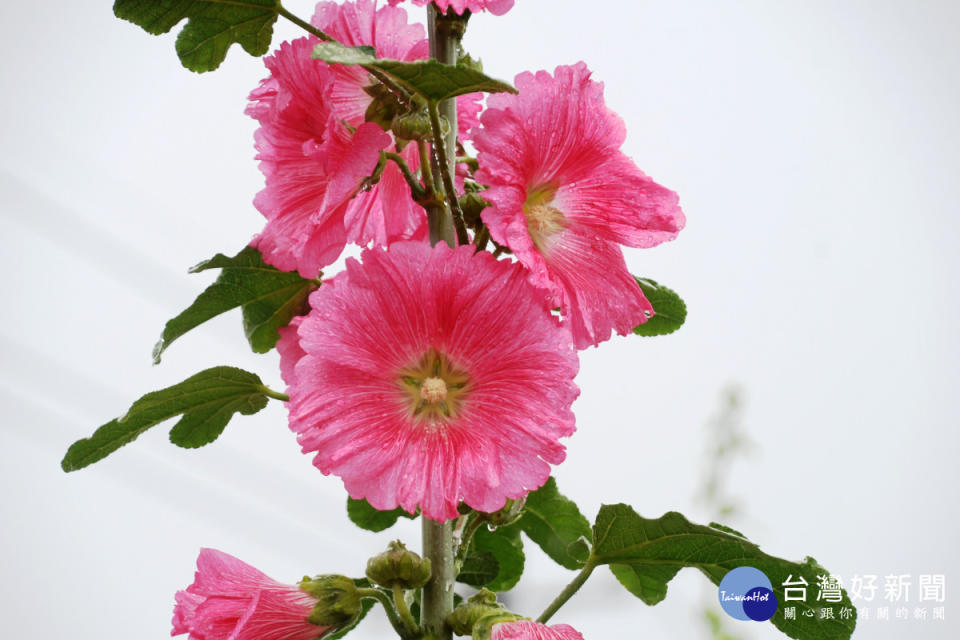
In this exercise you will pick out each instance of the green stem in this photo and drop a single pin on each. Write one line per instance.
(447, 167)
(466, 538)
(303, 24)
(395, 621)
(567, 592)
(401, 604)
(482, 238)
(276, 395)
(415, 187)
(425, 170)
(437, 602)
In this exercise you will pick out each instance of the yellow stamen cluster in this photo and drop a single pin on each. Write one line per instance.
(434, 387)
(543, 219)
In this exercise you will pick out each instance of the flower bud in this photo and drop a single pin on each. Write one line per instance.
(509, 514)
(398, 567)
(472, 204)
(480, 605)
(338, 602)
(415, 125)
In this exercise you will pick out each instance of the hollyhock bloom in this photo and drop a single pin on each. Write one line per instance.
(563, 197)
(526, 630)
(496, 7)
(430, 376)
(315, 147)
(230, 600)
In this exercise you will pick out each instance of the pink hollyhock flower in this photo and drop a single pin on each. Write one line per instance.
(526, 630)
(431, 376)
(315, 147)
(230, 600)
(496, 7)
(563, 197)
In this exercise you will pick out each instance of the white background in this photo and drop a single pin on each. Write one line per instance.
(814, 146)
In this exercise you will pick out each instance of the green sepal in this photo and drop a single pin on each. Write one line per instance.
(212, 26)
(645, 554)
(670, 311)
(206, 401)
(362, 514)
(555, 523)
(269, 299)
(431, 79)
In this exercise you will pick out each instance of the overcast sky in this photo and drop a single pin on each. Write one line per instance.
(815, 147)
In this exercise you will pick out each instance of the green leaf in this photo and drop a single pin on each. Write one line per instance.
(555, 523)
(495, 560)
(646, 554)
(366, 517)
(429, 78)
(212, 26)
(479, 568)
(206, 401)
(670, 311)
(269, 299)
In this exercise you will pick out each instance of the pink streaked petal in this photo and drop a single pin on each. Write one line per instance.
(288, 346)
(349, 157)
(622, 204)
(230, 600)
(384, 314)
(527, 630)
(599, 294)
(469, 107)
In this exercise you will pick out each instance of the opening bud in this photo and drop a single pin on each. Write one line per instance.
(398, 567)
(338, 602)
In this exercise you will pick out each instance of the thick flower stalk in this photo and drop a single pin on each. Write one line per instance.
(230, 600)
(563, 197)
(427, 377)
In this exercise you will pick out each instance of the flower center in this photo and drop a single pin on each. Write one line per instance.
(434, 388)
(543, 219)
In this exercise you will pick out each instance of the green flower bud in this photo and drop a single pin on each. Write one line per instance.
(338, 602)
(509, 514)
(481, 605)
(398, 567)
(415, 125)
(472, 204)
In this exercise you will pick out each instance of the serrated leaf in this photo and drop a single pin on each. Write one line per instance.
(206, 401)
(429, 78)
(363, 515)
(268, 297)
(655, 550)
(555, 523)
(670, 311)
(212, 26)
(495, 560)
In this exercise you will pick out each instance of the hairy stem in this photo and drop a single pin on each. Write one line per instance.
(404, 610)
(567, 592)
(447, 168)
